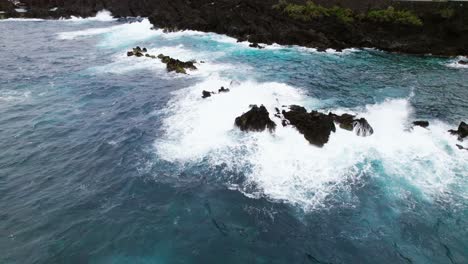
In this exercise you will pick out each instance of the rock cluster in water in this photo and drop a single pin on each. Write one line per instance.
(315, 126)
(172, 65)
(206, 94)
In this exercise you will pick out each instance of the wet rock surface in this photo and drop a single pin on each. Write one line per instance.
(172, 65)
(461, 132)
(257, 119)
(315, 126)
(421, 123)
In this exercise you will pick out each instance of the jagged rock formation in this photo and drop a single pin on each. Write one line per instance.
(257, 119)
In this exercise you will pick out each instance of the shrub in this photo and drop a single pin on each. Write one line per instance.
(310, 10)
(390, 15)
(447, 12)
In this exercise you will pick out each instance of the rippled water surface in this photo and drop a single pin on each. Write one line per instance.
(110, 159)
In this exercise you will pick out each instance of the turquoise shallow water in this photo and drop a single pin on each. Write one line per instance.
(109, 159)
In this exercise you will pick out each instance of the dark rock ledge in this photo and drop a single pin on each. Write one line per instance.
(172, 65)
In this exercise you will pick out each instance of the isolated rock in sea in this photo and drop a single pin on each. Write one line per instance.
(177, 65)
(137, 51)
(206, 94)
(315, 126)
(255, 45)
(257, 119)
(462, 131)
(421, 123)
(362, 128)
(462, 62)
(223, 90)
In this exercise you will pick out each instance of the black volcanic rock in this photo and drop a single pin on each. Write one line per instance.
(345, 121)
(255, 45)
(206, 94)
(349, 122)
(315, 126)
(257, 119)
(176, 65)
(421, 123)
(223, 90)
(461, 132)
(362, 127)
(462, 62)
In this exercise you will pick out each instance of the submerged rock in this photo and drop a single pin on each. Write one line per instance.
(462, 62)
(315, 126)
(462, 131)
(257, 119)
(421, 123)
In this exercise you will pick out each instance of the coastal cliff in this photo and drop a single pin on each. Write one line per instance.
(409, 27)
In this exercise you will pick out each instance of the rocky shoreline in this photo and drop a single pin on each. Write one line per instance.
(416, 27)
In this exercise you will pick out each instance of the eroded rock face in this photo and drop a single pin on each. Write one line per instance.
(315, 126)
(349, 122)
(257, 119)
(362, 128)
(421, 123)
(461, 132)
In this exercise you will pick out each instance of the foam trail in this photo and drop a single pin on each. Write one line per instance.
(283, 166)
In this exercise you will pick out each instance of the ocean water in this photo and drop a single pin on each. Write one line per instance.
(110, 159)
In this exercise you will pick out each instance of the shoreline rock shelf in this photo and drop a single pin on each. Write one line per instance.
(172, 65)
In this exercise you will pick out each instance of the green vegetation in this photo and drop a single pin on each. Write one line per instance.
(310, 10)
(447, 12)
(391, 15)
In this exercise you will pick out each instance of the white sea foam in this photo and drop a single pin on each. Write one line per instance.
(283, 166)
(101, 16)
(14, 96)
(454, 63)
(22, 20)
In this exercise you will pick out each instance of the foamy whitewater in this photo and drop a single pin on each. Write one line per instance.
(111, 159)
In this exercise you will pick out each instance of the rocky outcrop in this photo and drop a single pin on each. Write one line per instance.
(315, 126)
(349, 122)
(257, 119)
(421, 123)
(461, 132)
(362, 128)
(172, 65)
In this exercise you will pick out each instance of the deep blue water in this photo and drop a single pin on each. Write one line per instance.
(109, 159)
